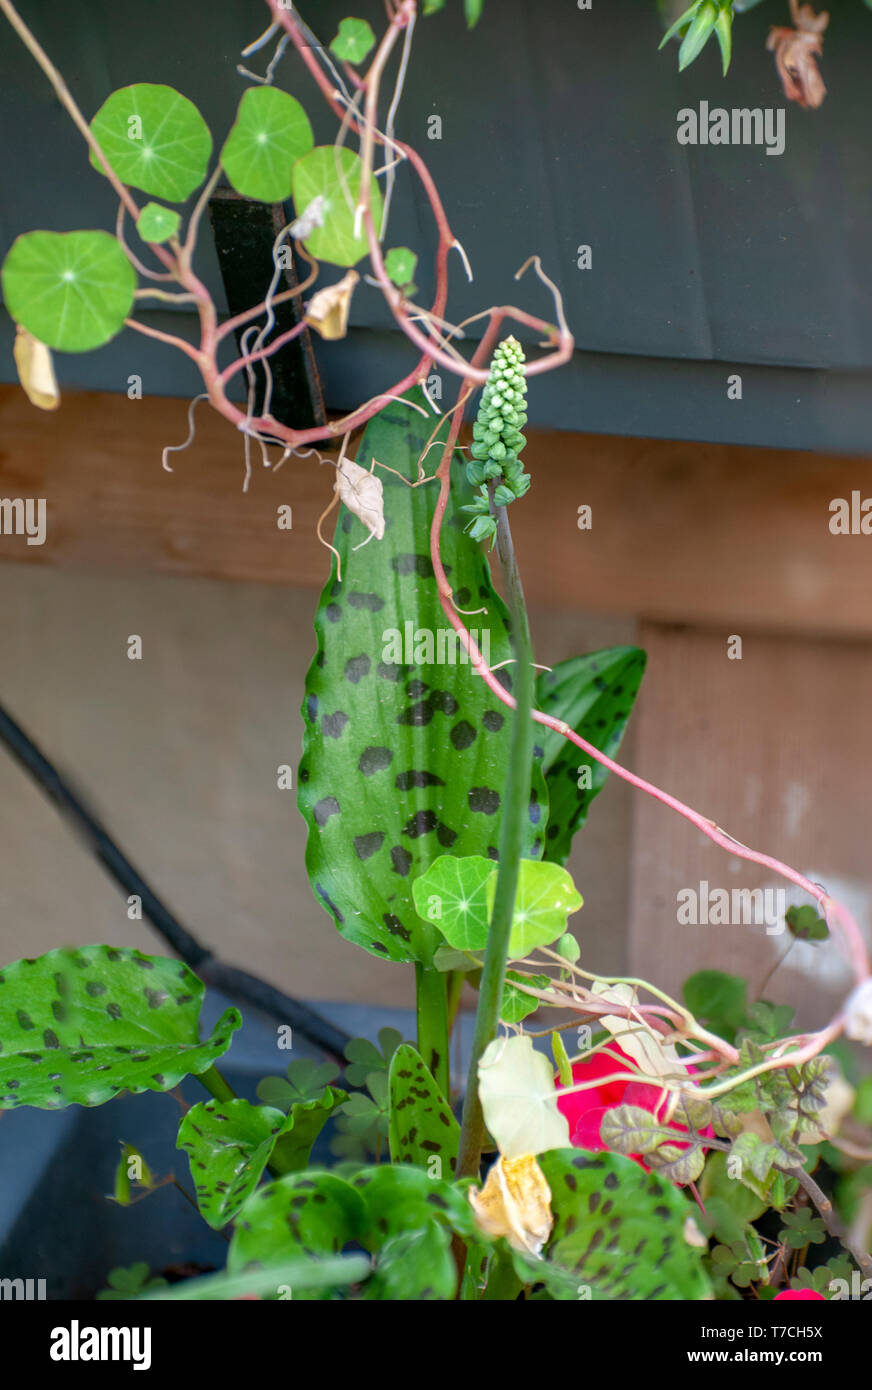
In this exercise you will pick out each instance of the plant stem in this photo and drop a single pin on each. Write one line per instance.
(216, 1085)
(830, 1219)
(512, 830)
(432, 1010)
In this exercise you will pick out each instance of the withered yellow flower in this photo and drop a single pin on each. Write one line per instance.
(515, 1202)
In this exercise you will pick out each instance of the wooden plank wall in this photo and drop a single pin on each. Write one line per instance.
(699, 542)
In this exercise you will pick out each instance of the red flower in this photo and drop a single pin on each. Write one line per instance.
(798, 1293)
(584, 1110)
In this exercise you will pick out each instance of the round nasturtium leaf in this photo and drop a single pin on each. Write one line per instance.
(334, 175)
(71, 290)
(354, 40)
(452, 895)
(546, 895)
(155, 139)
(156, 223)
(271, 130)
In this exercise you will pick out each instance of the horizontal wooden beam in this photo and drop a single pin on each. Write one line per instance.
(680, 532)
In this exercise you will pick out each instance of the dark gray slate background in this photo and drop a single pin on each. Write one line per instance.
(558, 129)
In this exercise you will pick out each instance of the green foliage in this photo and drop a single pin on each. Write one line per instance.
(516, 1004)
(618, 1230)
(154, 139)
(457, 895)
(545, 897)
(270, 132)
(334, 175)
(730, 1205)
(365, 1058)
(403, 758)
(717, 1000)
(801, 1229)
(400, 265)
(594, 695)
(306, 1080)
(354, 40)
(311, 1213)
(129, 1281)
(396, 1212)
(282, 1279)
(157, 223)
(132, 1168)
(77, 1026)
(421, 1125)
(71, 290)
(498, 440)
(229, 1144)
(702, 19)
(804, 923)
(743, 1261)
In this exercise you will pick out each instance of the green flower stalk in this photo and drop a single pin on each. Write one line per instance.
(494, 467)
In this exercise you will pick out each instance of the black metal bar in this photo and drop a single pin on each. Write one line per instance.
(237, 983)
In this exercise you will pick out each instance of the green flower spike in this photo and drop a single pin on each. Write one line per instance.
(497, 439)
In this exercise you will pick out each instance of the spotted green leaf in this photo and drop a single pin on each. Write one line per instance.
(593, 695)
(405, 751)
(71, 290)
(229, 1143)
(334, 175)
(545, 897)
(282, 1279)
(414, 1266)
(422, 1127)
(154, 139)
(157, 223)
(79, 1025)
(271, 130)
(311, 1213)
(354, 40)
(399, 1197)
(619, 1231)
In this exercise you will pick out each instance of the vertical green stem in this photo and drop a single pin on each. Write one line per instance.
(432, 1009)
(216, 1085)
(512, 832)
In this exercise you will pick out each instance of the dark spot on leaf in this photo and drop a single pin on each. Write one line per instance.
(333, 612)
(328, 904)
(374, 759)
(401, 860)
(484, 800)
(493, 852)
(371, 602)
(388, 671)
(395, 926)
(312, 707)
(420, 565)
(407, 780)
(492, 720)
(422, 823)
(50, 1039)
(333, 724)
(415, 689)
(95, 988)
(325, 808)
(155, 997)
(462, 735)
(365, 846)
(24, 1020)
(445, 835)
(356, 668)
